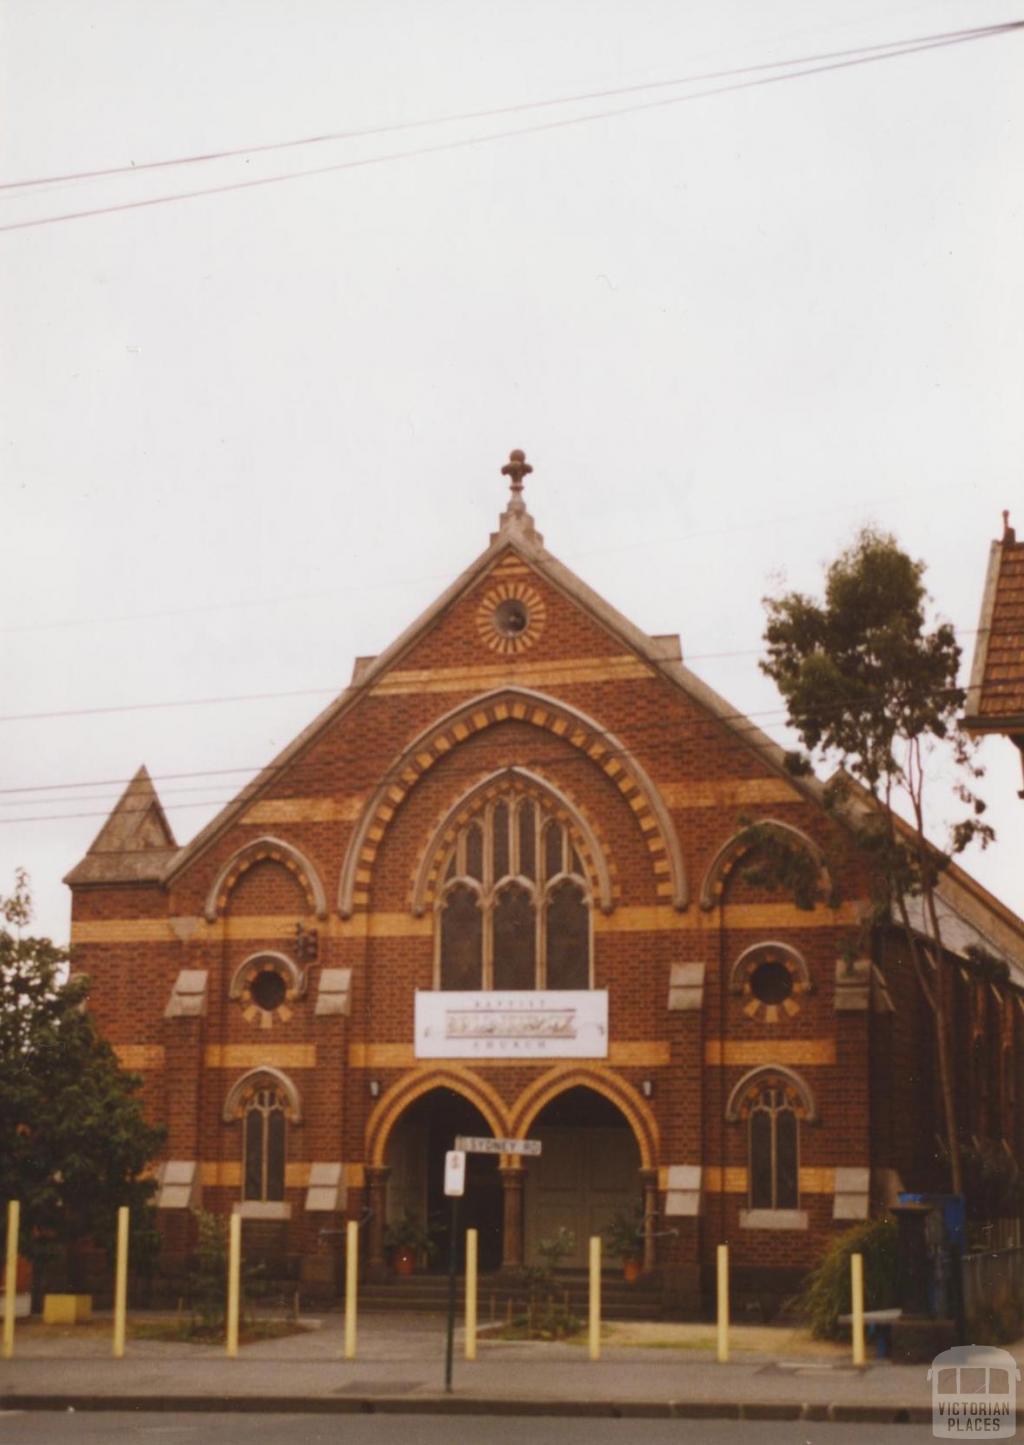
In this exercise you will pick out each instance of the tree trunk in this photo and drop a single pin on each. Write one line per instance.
(946, 1075)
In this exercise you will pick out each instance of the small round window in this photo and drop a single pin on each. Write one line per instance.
(511, 617)
(268, 990)
(771, 982)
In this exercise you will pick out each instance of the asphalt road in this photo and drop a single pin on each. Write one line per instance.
(44, 1427)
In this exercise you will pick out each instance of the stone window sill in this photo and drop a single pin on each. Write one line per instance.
(257, 1209)
(773, 1219)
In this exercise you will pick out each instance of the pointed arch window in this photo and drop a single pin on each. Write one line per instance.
(264, 1147)
(514, 909)
(772, 1110)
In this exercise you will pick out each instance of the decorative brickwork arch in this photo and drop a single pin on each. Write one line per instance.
(740, 843)
(798, 1092)
(626, 1099)
(245, 1088)
(520, 705)
(568, 811)
(287, 967)
(412, 1086)
(260, 850)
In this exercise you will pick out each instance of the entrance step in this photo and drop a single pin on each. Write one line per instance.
(428, 1294)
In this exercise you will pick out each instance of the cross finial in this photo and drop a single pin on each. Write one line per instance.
(516, 468)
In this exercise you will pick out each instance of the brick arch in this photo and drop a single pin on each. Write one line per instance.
(627, 1100)
(520, 705)
(243, 1088)
(260, 850)
(791, 1081)
(531, 785)
(733, 849)
(393, 1104)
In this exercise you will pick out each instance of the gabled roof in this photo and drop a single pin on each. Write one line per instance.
(516, 532)
(135, 844)
(968, 913)
(995, 698)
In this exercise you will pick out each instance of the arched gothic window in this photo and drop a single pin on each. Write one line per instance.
(514, 909)
(774, 1147)
(263, 1146)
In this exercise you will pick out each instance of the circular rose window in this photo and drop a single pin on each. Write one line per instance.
(511, 617)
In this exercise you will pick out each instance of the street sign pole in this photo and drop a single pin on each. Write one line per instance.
(453, 1246)
(454, 1186)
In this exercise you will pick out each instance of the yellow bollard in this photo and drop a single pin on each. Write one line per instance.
(723, 1304)
(234, 1279)
(471, 1248)
(351, 1286)
(857, 1303)
(121, 1282)
(595, 1296)
(11, 1282)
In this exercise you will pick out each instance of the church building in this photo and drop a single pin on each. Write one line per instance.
(503, 886)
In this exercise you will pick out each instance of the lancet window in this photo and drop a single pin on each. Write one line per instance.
(514, 908)
(772, 1111)
(264, 1147)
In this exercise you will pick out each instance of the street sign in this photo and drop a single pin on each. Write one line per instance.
(471, 1145)
(455, 1173)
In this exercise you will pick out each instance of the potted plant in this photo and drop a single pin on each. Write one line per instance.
(625, 1239)
(408, 1240)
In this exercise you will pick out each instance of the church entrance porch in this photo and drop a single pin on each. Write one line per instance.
(589, 1170)
(415, 1157)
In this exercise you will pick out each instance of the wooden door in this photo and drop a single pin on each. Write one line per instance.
(582, 1177)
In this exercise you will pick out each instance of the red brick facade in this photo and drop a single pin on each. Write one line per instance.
(330, 849)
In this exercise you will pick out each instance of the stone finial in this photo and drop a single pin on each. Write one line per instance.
(516, 469)
(515, 516)
(1009, 535)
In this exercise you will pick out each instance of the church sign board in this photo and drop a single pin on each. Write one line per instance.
(518, 1024)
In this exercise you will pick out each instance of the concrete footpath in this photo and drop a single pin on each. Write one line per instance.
(399, 1369)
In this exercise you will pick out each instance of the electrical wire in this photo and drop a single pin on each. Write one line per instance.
(457, 117)
(512, 133)
(674, 730)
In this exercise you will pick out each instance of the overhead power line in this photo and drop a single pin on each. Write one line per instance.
(953, 38)
(490, 113)
(671, 732)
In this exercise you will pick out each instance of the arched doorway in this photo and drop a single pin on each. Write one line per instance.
(415, 1154)
(589, 1169)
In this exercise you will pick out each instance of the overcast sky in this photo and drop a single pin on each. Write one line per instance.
(248, 436)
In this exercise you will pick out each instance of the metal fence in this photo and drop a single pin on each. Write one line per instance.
(993, 1286)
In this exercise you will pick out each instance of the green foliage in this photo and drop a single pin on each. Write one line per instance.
(781, 862)
(409, 1233)
(993, 1185)
(624, 1236)
(208, 1279)
(73, 1139)
(544, 1317)
(866, 682)
(826, 1292)
(863, 677)
(539, 1279)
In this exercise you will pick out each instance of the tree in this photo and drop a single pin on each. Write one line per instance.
(73, 1138)
(867, 682)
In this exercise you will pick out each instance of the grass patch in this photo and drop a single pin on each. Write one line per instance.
(168, 1330)
(250, 1332)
